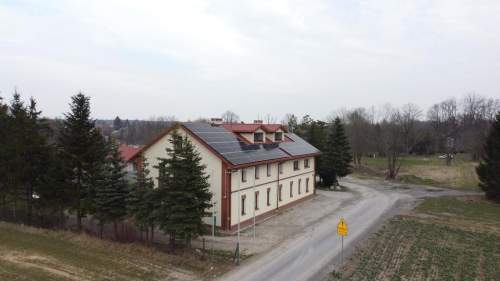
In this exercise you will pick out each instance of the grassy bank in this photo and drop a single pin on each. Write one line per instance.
(35, 254)
(442, 239)
(429, 170)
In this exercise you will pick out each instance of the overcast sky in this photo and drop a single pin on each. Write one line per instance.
(138, 59)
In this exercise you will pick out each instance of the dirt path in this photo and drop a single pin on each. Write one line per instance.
(312, 252)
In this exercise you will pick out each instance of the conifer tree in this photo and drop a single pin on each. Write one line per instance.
(23, 153)
(4, 131)
(54, 196)
(183, 190)
(141, 201)
(489, 167)
(16, 169)
(337, 155)
(37, 156)
(112, 190)
(84, 151)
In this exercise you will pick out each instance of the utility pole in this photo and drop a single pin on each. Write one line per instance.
(214, 213)
(239, 218)
(254, 203)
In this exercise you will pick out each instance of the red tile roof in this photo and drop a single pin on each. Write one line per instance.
(249, 128)
(128, 151)
(271, 128)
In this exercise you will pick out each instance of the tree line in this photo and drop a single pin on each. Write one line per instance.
(54, 171)
(446, 128)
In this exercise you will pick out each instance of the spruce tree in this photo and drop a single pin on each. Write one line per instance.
(337, 155)
(22, 154)
(84, 151)
(54, 196)
(141, 201)
(16, 168)
(489, 167)
(37, 151)
(183, 190)
(112, 190)
(4, 131)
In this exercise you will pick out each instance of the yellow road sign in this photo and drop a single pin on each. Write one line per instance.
(342, 227)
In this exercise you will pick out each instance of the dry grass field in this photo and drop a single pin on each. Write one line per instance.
(442, 239)
(28, 253)
(429, 170)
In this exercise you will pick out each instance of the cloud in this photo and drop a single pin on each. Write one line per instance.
(199, 58)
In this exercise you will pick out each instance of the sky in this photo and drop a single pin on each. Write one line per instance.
(190, 59)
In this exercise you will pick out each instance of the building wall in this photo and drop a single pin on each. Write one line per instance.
(249, 136)
(212, 162)
(270, 136)
(247, 189)
(263, 183)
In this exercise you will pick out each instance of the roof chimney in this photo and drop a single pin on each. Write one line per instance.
(258, 122)
(215, 121)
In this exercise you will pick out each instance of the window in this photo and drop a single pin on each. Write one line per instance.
(258, 137)
(268, 169)
(243, 175)
(280, 168)
(278, 136)
(291, 189)
(295, 165)
(307, 185)
(279, 192)
(243, 204)
(256, 200)
(257, 172)
(306, 163)
(300, 181)
(269, 197)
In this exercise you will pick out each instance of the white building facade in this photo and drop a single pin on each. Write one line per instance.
(254, 169)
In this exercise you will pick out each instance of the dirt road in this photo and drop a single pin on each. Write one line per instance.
(317, 251)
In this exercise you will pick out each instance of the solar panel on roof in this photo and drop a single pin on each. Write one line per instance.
(298, 146)
(238, 152)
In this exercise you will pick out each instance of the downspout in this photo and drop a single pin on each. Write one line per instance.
(227, 197)
(278, 186)
(314, 176)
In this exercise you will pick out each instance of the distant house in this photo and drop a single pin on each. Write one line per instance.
(254, 168)
(128, 152)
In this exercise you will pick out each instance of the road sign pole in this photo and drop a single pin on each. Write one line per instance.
(342, 252)
(342, 231)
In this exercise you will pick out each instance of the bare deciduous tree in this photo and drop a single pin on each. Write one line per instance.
(391, 138)
(230, 117)
(476, 118)
(410, 115)
(291, 121)
(269, 119)
(359, 131)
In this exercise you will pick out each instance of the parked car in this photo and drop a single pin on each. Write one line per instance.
(444, 156)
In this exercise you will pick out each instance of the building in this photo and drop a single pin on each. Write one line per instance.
(128, 152)
(254, 169)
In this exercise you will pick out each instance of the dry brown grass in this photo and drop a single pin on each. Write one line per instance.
(426, 170)
(28, 253)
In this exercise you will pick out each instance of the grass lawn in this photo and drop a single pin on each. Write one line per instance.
(28, 253)
(442, 239)
(429, 170)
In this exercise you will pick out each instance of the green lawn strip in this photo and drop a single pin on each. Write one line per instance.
(482, 211)
(407, 161)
